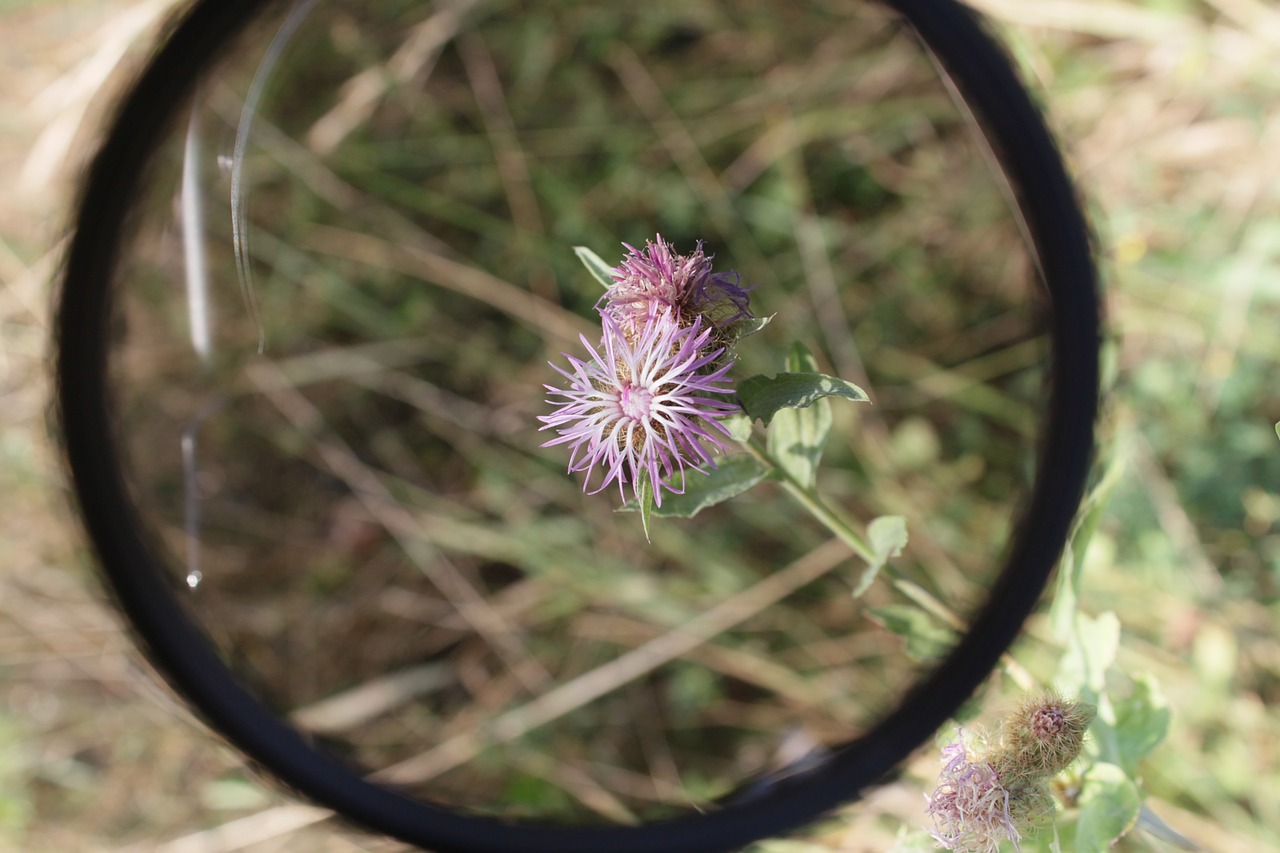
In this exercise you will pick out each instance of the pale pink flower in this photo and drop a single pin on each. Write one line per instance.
(643, 404)
(970, 808)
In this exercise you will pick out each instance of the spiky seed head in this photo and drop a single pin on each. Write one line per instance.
(1045, 735)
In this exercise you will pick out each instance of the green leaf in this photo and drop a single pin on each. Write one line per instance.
(1109, 806)
(764, 396)
(796, 440)
(731, 478)
(797, 437)
(1094, 643)
(792, 405)
(595, 265)
(646, 504)
(800, 359)
(887, 536)
(739, 426)
(927, 641)
(1142, 721)
(750, 327)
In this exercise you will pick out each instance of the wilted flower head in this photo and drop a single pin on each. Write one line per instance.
(971, 810)
(655, 279)
(1045, 734)
(639, 406)
(1002, 791)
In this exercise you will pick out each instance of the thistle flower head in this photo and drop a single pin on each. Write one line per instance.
(641, 405)
(1046, 734)
(970, 808)
(655, 279)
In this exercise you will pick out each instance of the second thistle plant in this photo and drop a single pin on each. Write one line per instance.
(1045, 735)
(1000, 792)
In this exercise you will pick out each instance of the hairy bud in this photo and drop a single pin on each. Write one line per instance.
(989, 793)
(1045, 735)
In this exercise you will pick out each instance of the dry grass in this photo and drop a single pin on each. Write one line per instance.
(92, 750)
(1168, 112)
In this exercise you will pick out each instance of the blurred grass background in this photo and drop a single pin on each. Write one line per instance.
(1167, 113)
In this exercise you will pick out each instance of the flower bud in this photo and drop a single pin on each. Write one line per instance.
(1044, 736)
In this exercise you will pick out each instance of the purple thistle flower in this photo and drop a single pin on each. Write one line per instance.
(640, 407)
(970, 808)
(656, 279)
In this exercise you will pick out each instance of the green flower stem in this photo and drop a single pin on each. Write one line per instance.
(810, 500)
(845, 532)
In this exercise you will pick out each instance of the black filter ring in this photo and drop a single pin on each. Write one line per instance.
(185, 655)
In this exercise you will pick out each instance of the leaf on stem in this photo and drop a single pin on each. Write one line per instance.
(794, 407)
(1142, 721)
(595, 265)
(1092, 650)
(734, 476)
(887, 536)
(764, 397)
(927, 641)
(1109, 806)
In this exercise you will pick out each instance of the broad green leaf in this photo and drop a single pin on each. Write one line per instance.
(887, 536)
(796, 439)
(927, 641)
(800, 359)
(731, 478)
(1142, 721)
(1094, 643)
(764, 396)
(798, 436)
(1109, 806)
(595, 265)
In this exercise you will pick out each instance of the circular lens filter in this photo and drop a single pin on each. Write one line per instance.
(322, 298)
